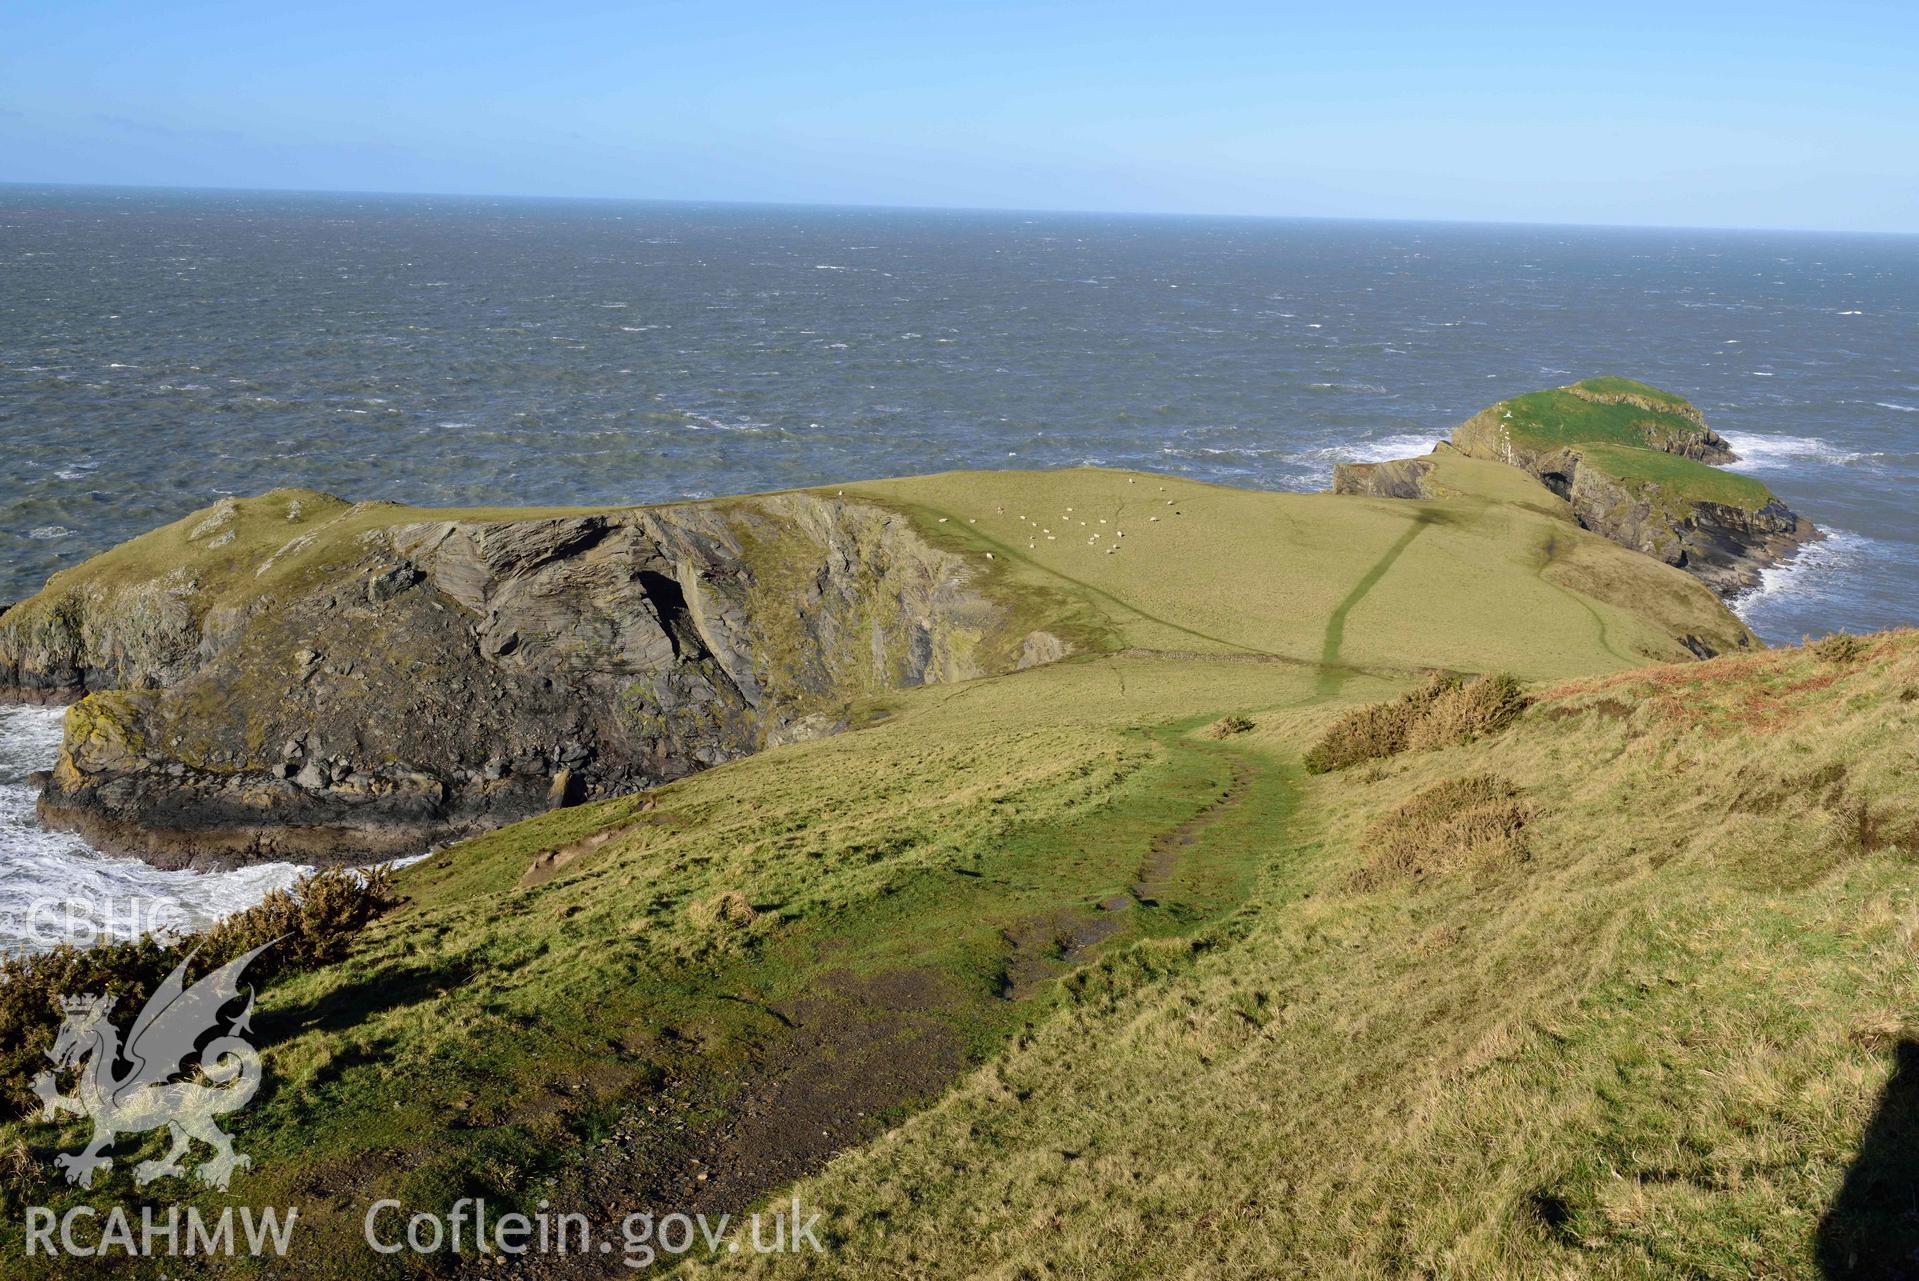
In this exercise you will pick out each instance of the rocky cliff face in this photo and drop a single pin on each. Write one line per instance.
(1399, 478)
(382, 680)
(1725, 546)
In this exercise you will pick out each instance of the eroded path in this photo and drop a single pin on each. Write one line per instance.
(861, 1046)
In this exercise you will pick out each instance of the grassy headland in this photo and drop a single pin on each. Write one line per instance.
(1077, 971)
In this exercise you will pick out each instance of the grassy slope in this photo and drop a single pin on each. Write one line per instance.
(1466, 583)
(1669, 473)
(496, 1030)
(1649, 1047)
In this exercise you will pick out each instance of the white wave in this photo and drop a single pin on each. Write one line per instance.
(1775, 453)
(1904, 409)
(1383, 449)
(1811, 572)
(47, 532)
(55, 888)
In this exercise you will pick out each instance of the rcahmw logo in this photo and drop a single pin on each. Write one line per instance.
(145, 1085)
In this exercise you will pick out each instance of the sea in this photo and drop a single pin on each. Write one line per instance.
(161, 349)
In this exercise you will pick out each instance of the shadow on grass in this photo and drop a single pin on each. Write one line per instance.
(1870, 1232)
(1331, 677)
(347, 1007)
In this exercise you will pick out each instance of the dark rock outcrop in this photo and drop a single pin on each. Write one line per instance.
(1725, 546)
(1399, 478)
(405, 681)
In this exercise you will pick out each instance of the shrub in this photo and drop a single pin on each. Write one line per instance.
(1375, 731)
(1445, 712)
(314, 923)
(1840, 647)
(1470, 711)
(1227, 726)
(1478, 820)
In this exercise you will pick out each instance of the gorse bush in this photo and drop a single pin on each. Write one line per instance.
(1445, 712)
(1377, 730)
(313, 923)
(1467, 712)
(1841, 647)
(1228, 726)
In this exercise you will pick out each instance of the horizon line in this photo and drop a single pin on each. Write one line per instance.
(881, 207)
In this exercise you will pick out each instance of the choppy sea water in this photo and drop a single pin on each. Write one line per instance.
(161, 349)
(54, 889)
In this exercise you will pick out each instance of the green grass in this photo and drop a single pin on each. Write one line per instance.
(1559, 419)
(1284, 1061)
(1677, 478)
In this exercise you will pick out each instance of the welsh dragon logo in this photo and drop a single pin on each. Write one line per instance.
(146, 1085)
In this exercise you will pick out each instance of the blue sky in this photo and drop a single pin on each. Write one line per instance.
(1754, 114)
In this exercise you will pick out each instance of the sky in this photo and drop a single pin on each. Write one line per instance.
(1755, 114)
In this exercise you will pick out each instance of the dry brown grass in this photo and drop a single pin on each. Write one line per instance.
(727, 910)
(1475, 821)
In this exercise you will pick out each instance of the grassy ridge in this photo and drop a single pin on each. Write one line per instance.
(1612, 385)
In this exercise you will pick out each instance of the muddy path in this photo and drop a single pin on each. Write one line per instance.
(794, 1082)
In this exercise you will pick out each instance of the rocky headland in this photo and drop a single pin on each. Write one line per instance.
(1635, 464)
(294, 677)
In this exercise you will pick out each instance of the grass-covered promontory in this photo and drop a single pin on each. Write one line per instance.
(1637, 464)
(1629, 431)
(1600, 969)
